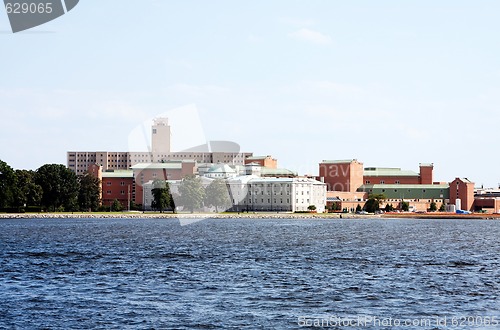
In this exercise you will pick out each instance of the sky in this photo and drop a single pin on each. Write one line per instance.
(390, 83)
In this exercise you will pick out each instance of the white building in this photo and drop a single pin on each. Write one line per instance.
(219, 171)
(160, 136)
(251, 193)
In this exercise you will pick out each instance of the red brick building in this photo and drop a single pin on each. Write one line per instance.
(264, 161)
(382, 175)
(119, 185)
(462, 189)
(349, 175)
(341, 175)
(173, 170)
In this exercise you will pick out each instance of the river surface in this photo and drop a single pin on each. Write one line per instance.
(247, 273)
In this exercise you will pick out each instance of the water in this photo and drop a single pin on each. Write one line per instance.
(156, 274)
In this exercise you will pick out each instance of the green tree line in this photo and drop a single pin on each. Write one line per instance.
(192, 196)
(52, 187)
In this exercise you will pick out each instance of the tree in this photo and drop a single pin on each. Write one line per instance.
(433, 207)
(336, 206)
(389, 208)
(89, 192)
(191, 193)
(27, 192)
(162, 198)
(442, 208)
(358, 208)
(405, 206)
(373, 203)
(7, 185)
(216, 194)
(116, 206)
(59, 186)
(311, 208)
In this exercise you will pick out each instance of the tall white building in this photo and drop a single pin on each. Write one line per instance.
(160, 136)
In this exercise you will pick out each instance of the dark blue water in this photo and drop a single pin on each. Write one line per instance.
(156, 274)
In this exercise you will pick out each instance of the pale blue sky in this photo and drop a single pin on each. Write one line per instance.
(391, 83)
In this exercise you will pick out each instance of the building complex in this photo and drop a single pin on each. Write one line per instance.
(255, 183)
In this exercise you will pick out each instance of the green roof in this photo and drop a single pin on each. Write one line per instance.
(339, 161)
(387, 171)
(265, 171)
(408, 191)
(257, 157)
(221, 168)
(118, 174)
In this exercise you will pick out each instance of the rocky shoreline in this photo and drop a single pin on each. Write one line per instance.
(138, 215)
(257, 215)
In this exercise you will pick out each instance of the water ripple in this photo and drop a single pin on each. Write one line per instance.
(156, 274)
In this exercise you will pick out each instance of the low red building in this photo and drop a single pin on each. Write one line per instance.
(119, 185)
(173, 170)
(462, 189)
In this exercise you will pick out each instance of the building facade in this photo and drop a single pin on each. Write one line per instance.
(462, 194)
(212, 152)
(264, 161)
(349, 184)
(250, 193)
(119, 185)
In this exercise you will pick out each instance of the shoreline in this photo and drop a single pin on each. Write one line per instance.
(139, 215)
(444, 216)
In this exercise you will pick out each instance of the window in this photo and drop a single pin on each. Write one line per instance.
(122, 183)
(397, 182)
(382, 182)
(367, 182)
(108, 183)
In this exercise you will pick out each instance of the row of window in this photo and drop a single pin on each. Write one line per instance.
(108, 183)
(268, 192)
(383, 182)
(275, 201)
(122, 192)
